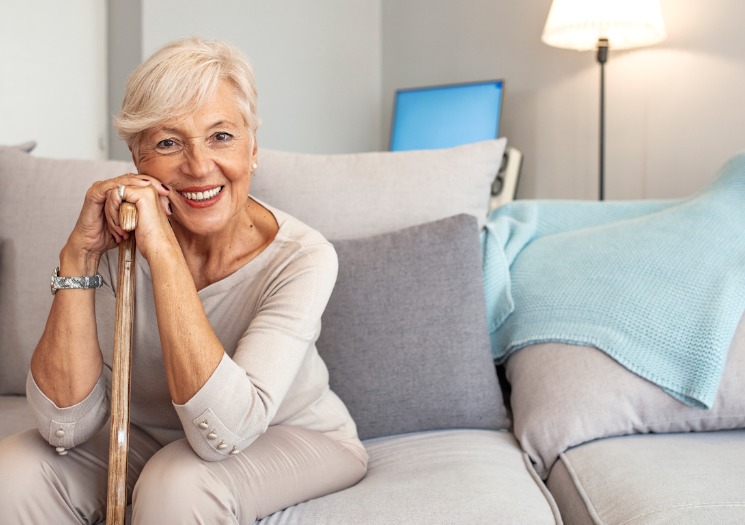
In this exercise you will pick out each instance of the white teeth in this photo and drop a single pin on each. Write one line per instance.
(201, 195)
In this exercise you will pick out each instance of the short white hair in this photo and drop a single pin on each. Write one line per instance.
(177, 79)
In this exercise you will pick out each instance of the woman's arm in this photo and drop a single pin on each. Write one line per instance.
(67, 361)
(244, 394)
(191, 350)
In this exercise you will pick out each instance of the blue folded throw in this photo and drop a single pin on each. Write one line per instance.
(657, 285)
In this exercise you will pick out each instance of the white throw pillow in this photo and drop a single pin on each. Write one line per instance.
(354, 195)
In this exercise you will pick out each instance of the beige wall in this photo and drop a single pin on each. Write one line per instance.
(327, 71)
(673, 111)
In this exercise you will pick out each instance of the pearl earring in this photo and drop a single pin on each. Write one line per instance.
(254, 166)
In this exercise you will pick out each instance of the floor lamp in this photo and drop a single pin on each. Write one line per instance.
(584, 25)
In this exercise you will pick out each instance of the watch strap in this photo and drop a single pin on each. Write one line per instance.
(72, 283)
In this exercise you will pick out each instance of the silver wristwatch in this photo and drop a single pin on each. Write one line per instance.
(67, 283)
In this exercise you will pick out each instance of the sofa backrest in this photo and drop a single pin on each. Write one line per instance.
(39, 205)
(346, 197)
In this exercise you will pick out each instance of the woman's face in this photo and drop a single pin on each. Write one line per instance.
(205, 160)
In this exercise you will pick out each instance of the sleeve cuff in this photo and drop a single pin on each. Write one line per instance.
(212, 418)
(70, 426)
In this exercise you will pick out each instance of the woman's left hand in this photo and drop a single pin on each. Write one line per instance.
(153, 209)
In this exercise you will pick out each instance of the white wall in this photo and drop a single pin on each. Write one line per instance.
(317, 64)
(673, 111)
(327, 70)
(52, 76)
(318, 68)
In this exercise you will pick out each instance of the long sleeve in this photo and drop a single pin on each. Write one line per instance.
(244, 394)
(267, 316)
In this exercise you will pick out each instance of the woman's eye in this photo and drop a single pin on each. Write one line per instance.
(223, 136)
(166, 144)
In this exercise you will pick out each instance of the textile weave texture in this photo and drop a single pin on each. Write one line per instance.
(657, 285)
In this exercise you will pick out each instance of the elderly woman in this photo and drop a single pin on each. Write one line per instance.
(232, 416)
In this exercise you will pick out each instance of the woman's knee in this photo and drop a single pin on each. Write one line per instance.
(37, 483)
(22, 457)
(284, 466)
(176, 486)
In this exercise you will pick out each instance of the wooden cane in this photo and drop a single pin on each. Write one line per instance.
(121, 368)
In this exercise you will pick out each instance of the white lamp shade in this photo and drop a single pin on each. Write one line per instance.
(578, 24)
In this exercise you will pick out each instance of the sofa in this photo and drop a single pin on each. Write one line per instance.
(554, 432)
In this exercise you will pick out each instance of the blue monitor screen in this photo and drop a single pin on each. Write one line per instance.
(446, 116)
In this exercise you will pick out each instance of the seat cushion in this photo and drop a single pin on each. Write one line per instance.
(686, 478)
(440, 477)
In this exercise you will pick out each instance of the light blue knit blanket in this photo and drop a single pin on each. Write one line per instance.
(657, 285)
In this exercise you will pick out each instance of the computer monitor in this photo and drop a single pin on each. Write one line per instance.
(447, 115)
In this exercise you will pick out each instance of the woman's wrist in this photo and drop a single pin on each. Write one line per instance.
(78, 263)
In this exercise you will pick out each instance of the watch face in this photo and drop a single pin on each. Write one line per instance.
(55, 275)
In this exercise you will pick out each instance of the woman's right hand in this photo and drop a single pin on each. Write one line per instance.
(97, 230)
(67, 362)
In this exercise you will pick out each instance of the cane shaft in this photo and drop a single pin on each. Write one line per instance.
(116, 503)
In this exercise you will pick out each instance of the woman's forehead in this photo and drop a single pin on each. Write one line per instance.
(220, 109)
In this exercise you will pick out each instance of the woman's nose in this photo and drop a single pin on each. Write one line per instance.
(199, 162)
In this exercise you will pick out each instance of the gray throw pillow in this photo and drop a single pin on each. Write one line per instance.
(405, 333)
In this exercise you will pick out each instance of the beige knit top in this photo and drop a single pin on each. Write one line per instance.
(267, 316)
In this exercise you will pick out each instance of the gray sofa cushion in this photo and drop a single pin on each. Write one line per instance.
(39, 204)
(564, 395)
(685, 479)
(433, 478)
(346, 196)
(405, 335)
(355, 195)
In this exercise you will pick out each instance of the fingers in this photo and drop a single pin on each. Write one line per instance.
(97, 228)
(115, 192)
(134, 188)
(166, 204)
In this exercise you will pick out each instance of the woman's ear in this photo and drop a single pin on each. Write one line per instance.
(254, 157)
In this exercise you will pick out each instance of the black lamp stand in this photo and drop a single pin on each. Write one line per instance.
(602, 59)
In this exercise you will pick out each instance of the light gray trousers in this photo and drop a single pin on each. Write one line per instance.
(172, 484)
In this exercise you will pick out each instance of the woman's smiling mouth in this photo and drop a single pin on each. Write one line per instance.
(202, 196)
